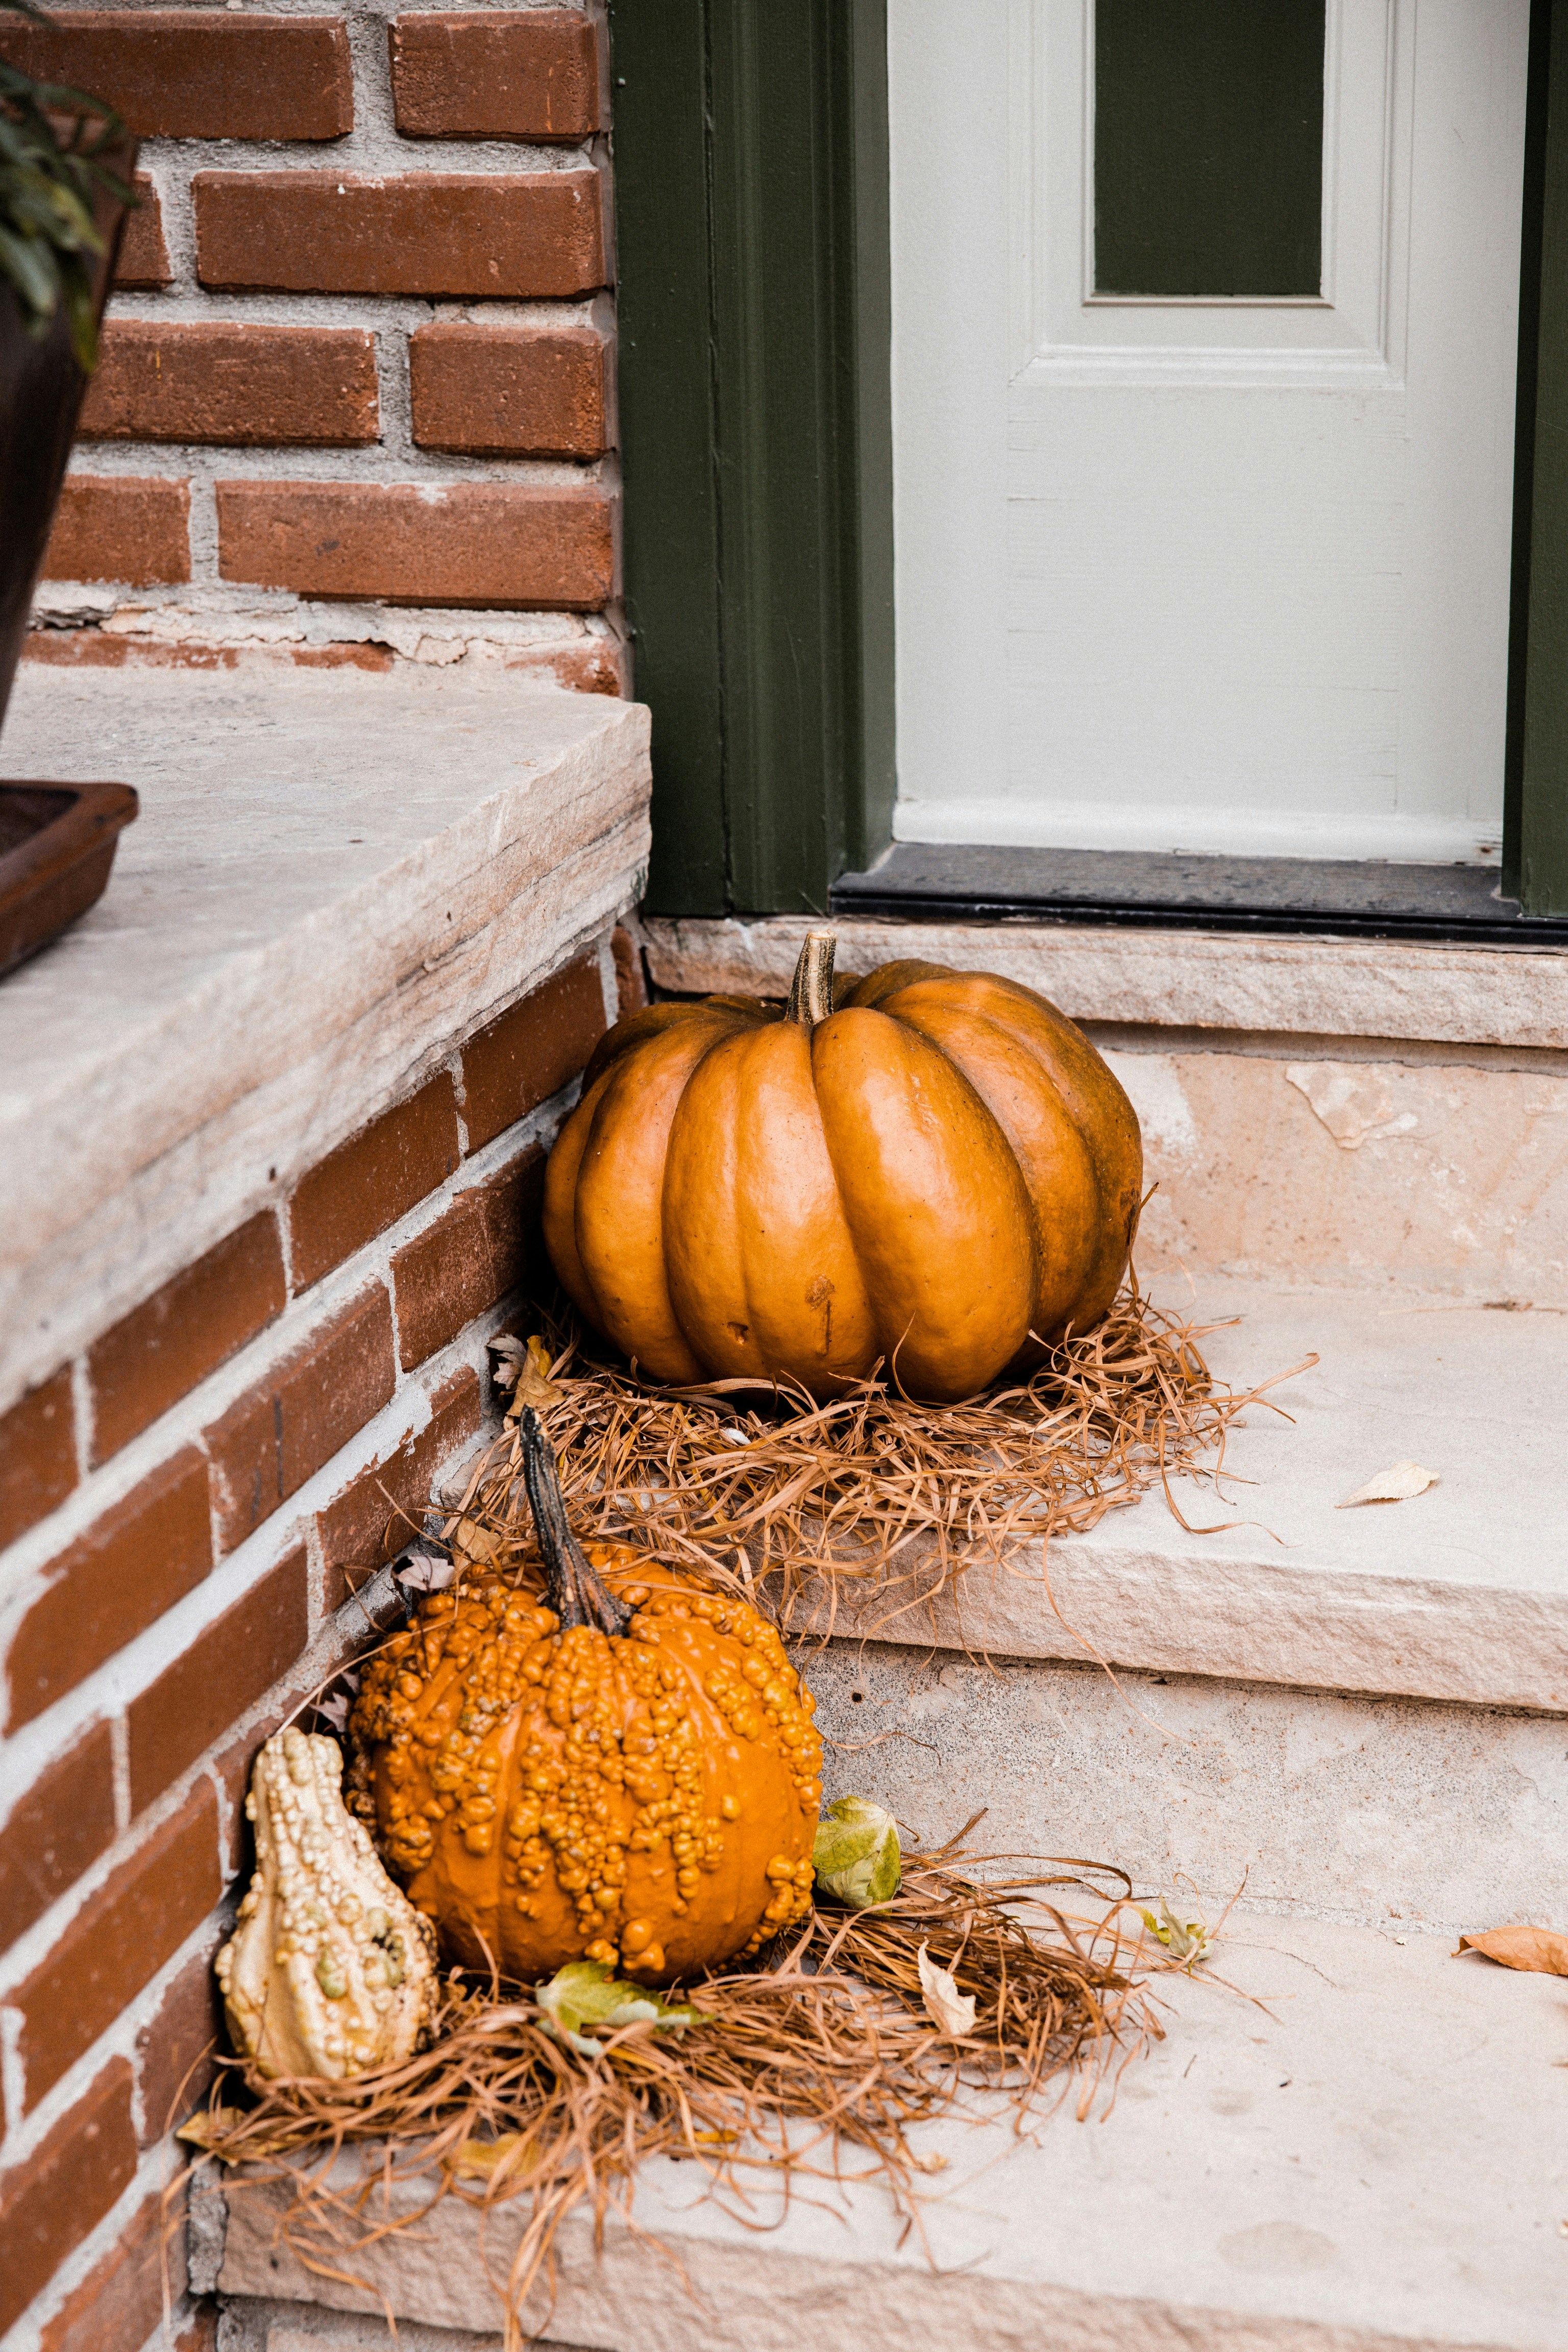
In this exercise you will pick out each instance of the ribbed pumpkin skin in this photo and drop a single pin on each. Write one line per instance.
(940, 1168)
(650, 1801)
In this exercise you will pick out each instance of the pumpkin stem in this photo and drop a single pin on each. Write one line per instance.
(573, 1589)
(811, 996)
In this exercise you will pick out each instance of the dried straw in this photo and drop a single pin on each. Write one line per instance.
(796, 1503)
(828, 2053)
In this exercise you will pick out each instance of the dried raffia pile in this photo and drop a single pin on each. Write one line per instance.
(818, 2063)
(814, 2069)
(792, 1501)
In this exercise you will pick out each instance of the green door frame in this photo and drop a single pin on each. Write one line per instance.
(1535, 809)
(750, 150)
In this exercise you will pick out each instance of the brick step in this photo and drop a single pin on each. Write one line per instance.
(1360, 1719)
(1378, 2158)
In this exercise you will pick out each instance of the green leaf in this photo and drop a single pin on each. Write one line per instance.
(1191, 1940)
(50, 175)
(82, 312)
(584, 1993)
(857, 1855)
(32, 269)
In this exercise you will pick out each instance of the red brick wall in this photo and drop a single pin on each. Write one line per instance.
(357, 383)
(187, 1511)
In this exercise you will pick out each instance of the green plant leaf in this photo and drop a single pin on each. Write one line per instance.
(33, 272)
(1188, 1939)
(584, 1993)
(81, 310)
(51, 173)
(857, 1855)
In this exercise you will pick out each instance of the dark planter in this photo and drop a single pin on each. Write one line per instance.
(56, 846)
(41, 390)
(56, 841)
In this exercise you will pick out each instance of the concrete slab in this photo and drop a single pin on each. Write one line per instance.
(1377, 2157)
(331, 870)
(1459, 1595)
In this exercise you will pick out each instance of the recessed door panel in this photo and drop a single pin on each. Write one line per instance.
(1208, 147)
(1204, 523)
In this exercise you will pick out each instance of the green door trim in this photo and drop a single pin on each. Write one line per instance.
(751, 157)
(1535, 807)
(751, 172)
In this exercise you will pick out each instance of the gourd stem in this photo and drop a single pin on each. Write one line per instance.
(811, 996)
(573, 1589)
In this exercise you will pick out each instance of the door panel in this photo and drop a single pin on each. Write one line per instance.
(1204, 572)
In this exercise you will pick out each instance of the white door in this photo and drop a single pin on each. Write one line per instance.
(1204, 570)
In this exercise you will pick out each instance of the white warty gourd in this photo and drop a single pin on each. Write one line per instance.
(331, 1971)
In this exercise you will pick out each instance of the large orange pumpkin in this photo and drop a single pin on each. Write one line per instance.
(620, 1766)
(941, 1173)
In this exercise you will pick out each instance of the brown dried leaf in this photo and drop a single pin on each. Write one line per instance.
(212, 2126)
(489, 2159)
(952, 2009)
(209, 2125)
(1542, 1949)
(477, 1546)
(1399, 1484)
(534, 1385)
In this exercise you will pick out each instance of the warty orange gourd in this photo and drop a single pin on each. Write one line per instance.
(621, 1766)
(932, 1167)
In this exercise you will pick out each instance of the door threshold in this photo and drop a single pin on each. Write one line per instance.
(1170, 890)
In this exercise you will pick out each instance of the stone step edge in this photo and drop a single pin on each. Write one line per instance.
(1274, 986)
(1231, 1619)
(1138, 2200)
(630, 2299)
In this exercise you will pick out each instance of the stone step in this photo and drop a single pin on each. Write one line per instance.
(1245, 983)
(1357, 1714)
(1461, 1595)
(1392, 1811)
(1377, 2157)
(1368, 1112)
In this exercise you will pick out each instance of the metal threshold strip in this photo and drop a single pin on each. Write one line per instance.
(1337, 897)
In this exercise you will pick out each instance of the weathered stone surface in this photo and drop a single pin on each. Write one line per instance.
(1367, 1810)
(333, 878)
(1460, 1594)
(251, 2325)
(1374, 2158)
(1431, 1176)
(1335, 988)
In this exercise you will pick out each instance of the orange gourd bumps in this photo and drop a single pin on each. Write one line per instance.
(934, 1169)
(649, 1801)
